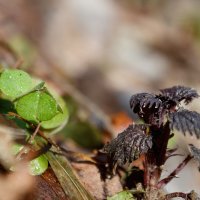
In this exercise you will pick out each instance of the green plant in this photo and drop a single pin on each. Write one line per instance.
(28, 104)
(32, 105)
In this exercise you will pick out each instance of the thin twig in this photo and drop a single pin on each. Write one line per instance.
(9, 49)
(33, 126)
(166, 180)
(176, 194)
(35, 133)
(18, 63)
(22, 151)
(34, 154)
(30, 141)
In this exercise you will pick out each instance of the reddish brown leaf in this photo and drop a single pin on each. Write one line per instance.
(48, 188)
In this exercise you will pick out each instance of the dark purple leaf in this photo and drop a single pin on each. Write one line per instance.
(195, 153)
(185, 121)
(143, 100)
(128, 145)
(179, 93)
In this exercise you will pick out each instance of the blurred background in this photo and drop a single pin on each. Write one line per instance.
(109, 50)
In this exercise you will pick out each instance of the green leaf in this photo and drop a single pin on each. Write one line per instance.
(37, 106)
(67, 178)
(39, 86)
(14, 83)
(38, 166)
(16, 148)
(60, 119)
(124, 195)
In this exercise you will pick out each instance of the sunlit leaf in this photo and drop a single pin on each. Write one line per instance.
(16, 148)
(14, 83)
(38, 165)
(37, 106)
(124, 195)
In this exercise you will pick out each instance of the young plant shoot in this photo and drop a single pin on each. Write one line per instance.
(162, 114)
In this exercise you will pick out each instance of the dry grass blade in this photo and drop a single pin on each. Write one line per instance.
(67, 178)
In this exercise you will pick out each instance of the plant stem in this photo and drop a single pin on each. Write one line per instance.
(176, 194)
(165, 181)
(156, 157)
(35, 133)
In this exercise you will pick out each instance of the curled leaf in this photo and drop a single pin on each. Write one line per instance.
(179, 93)
(128, 145)
(152, 108)
(143, 100)
(185, 121)
(148, 107)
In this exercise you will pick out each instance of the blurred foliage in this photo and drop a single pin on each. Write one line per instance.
(125, 195)
(84, 134)
(24, 49)
(72, 106)
(191, 24)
